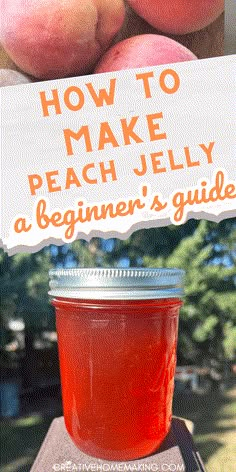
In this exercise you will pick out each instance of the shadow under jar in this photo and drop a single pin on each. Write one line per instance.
(117, 336)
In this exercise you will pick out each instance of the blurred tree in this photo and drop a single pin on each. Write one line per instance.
(207, 323)
(24, 280)
(24, 287)
(89, 254)
(148, 242)
(23, 291)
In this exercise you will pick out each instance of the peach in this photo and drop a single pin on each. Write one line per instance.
(12, 77)
(143, 51)
(58, 38)
(178, 16)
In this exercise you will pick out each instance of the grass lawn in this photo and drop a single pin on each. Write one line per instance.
(214, 417)
(20, 441)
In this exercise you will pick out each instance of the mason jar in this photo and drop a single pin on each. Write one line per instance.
(117, 336)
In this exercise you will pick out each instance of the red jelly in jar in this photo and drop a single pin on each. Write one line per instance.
(117, 336)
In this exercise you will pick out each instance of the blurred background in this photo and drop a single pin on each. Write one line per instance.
(205, 391)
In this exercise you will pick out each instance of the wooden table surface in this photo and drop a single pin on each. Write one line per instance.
(177, 453)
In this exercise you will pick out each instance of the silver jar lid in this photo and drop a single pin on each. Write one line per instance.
(116, 284)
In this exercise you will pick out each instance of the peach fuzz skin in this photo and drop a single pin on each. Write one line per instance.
(143, 51)
(178, 16)
(57, 38)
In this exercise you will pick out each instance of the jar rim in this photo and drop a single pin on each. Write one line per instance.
(116, 283)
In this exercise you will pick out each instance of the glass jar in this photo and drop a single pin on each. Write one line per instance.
(117, 336)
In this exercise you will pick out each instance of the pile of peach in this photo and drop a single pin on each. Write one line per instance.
(50, 39)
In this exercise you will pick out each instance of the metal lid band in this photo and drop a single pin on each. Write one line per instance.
(116, 284)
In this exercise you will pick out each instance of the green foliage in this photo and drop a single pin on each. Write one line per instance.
(87, 254)
(205, 330)
(209, 311)
(229, 341)
(153, 242)
(24, 287)
(205, 250)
